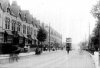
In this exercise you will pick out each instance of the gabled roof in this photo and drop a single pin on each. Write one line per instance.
(29, 17)
(36, 22)
(22, 14)
(4, 4)
(15, 9)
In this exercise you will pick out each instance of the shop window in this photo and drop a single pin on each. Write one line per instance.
(13, 25)
(7, 23)
(24, 29)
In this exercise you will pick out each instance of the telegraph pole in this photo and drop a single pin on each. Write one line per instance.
(89, 37)
(99, 43)
(49, 37)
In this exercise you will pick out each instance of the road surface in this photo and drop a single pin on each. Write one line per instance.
(57, 59)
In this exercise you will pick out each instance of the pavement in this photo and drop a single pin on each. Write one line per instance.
(4, 59)
(56, 59)
(80, 59)
(96, 59)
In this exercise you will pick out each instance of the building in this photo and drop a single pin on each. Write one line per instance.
(17, 27)
(53, 37)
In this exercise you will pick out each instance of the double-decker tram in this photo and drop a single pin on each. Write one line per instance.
(68, 43)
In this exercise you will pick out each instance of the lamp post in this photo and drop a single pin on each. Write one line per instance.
(89, 46)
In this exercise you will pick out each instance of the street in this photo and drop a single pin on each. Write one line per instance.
(57, 59)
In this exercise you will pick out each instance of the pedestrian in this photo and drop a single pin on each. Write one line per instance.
(16, 53)
(68, 49)
(11, 53)
(11, 57)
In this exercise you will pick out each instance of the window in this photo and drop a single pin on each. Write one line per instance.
(8, 10)
(31, 31)
(35, 32)
(28, 30)
(18, 26)
(13, 25)
(35, 25)
(0, 6)
(24, 29)
(7, 23)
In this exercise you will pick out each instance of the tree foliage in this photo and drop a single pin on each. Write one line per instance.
(96, 13)
(83, 45)
(42, 35)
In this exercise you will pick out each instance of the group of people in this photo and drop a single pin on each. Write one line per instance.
(13, 56)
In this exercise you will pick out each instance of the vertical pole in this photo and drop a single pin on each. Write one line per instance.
(89, 37)
(61, 40)
(49, 37)
(99, 44)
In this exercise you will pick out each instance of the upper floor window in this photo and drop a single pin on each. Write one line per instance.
(18, 26)
(31, 31)
(24, 29)
(28, 30)
(7, 23)
(13, 25)
(8, 10)
(0, 6)
(35, 32)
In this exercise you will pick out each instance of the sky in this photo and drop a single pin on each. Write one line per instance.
(71, 18)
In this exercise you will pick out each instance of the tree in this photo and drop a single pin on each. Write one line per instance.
(96, 13)
(42, 35)
(83, 45)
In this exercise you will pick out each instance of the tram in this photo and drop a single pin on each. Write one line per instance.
(68, 43)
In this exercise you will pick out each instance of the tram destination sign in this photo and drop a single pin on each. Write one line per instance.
(68, 40)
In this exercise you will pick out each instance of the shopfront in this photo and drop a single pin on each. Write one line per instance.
(1, 41)
(15, 38)
(8, 37)
(6, 41)
(29, 39)
(25, 40)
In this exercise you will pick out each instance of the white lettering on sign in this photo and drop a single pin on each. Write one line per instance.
(68, 40)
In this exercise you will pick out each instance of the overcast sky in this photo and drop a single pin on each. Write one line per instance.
(69, 17)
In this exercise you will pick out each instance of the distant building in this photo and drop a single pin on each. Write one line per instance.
(54, 36)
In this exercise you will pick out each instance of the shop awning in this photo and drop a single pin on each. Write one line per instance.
(25, 36)
(30, 39)
(9, 32)
(20, 34)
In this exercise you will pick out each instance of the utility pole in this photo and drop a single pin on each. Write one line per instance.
(85, 37)
(89, 37)
(99, 43)
(61, 40)
(49, 37)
